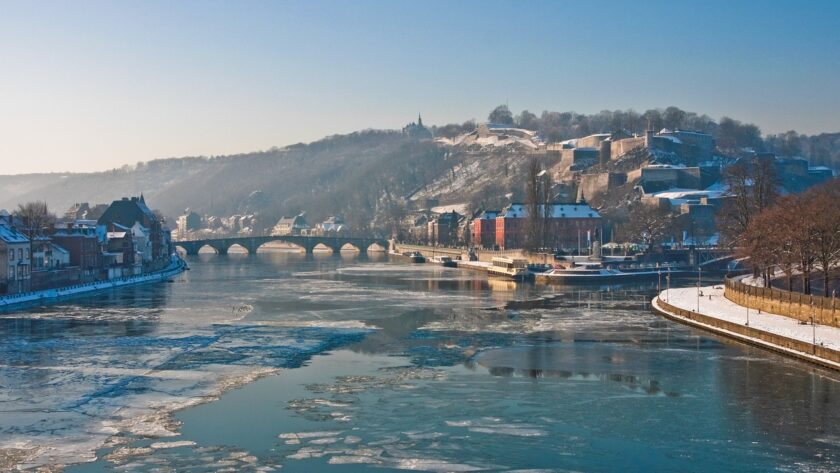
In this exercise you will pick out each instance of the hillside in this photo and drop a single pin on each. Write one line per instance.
(357, 175)
(368, 177)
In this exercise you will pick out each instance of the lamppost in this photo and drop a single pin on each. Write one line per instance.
(668, 288)
(698, 288)
(748, 316)
(813, 325)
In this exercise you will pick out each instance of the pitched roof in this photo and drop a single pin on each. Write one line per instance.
(577, 210)
(127, 212)
(11, 235)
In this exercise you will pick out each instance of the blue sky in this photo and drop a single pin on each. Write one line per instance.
(91, 85)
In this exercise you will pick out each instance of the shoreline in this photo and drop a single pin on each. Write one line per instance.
(51, 296)
(783, 335)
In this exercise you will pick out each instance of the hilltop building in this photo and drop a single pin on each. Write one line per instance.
(417, 130)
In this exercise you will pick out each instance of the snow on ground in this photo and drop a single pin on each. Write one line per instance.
(722, 308)
(460, 208)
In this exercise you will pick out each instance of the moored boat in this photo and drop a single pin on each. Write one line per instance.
(596, 273)
(408, 256)
(445, 261)
(513, 268)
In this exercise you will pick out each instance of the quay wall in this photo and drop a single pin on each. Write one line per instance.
(820, 355)
(802, 307)
(483, 255)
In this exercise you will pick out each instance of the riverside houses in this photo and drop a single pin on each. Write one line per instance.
(152, 242)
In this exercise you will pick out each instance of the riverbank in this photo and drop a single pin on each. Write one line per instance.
(816, 344)
(49, 296)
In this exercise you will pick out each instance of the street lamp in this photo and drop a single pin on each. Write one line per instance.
(658, 282)
(698, 288)
(668, 289)
(813, 325)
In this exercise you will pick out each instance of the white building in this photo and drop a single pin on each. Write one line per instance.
(15, 274)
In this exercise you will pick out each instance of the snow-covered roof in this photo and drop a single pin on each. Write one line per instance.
(682, 196)
(580, 210)
(670, 138)
(458, 208)
(116, 235)
(11, 235)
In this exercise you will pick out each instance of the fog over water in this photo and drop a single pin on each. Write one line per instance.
(345, 363)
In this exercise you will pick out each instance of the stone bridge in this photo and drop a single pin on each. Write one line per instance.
(308, 243)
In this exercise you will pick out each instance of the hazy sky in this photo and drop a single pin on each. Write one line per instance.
(95, 85)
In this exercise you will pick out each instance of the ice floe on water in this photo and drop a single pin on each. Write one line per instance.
(73, 393)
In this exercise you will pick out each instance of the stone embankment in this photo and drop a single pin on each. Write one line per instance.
(16, 301)
(715, 312)
(802, 307)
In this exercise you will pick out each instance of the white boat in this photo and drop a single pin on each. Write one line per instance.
(514, 268)
(595, 272)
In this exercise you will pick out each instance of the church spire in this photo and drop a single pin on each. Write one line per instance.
(419, 120)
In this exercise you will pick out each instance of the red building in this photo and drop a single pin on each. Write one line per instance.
(569, 226)
(484, 229)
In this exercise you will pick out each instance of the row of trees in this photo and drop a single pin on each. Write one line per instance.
(799, 235)
(557, 126)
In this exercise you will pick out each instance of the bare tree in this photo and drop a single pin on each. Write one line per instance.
(649, 224)
(35, 217)
(532, 200)
(824, 215)
(753, 186)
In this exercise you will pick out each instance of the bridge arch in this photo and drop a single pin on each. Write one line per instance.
(238, 248)
(348, 246)
(282, 240)
(376, 247)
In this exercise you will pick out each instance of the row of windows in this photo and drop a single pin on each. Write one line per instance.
(20, 253)
(22, 272)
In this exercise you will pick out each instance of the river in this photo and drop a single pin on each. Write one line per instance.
(345, 363)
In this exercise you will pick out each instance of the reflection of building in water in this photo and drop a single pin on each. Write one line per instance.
(501, 285)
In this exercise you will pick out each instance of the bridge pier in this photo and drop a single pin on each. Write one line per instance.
(251, 244)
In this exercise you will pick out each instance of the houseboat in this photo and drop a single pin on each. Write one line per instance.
(513, 268)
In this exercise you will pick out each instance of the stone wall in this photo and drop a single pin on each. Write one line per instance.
(825, 310)
(620, 147)
(783, 343)
(593, 184)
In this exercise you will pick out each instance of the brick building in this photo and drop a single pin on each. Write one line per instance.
(484, 229)
(569, 226)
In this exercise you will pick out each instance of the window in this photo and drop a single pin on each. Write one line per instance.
(20, 253)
